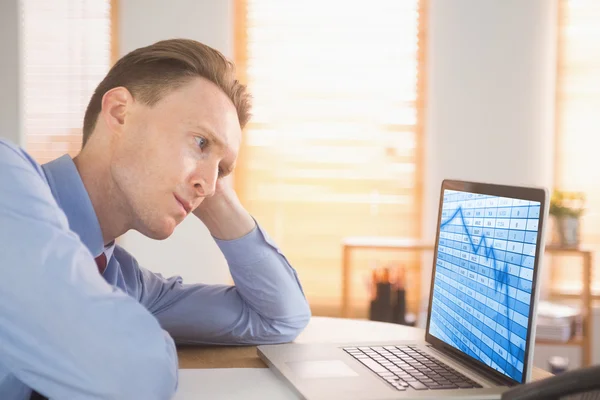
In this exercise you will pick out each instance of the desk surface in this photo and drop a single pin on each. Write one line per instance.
(319, 330)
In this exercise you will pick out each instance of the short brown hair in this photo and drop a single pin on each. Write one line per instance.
(151, 72)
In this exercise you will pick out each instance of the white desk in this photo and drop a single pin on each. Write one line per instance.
(226, 384)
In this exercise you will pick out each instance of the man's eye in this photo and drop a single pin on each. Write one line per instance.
(201, 142)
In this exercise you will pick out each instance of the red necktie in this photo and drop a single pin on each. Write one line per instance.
(101, 262)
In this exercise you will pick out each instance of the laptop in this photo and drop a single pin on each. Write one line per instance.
(481, 323)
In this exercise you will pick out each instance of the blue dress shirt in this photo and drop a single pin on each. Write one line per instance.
(71, 333)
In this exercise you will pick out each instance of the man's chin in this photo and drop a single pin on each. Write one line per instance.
(159, 231)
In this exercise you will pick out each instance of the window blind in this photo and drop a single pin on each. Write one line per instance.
(66, 53)
(334, 148)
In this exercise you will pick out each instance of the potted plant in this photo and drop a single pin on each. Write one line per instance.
(567, 208)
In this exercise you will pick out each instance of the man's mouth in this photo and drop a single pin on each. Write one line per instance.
(187, 207)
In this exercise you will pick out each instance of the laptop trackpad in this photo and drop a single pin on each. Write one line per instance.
(321, 369)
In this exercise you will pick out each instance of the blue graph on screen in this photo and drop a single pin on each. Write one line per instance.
(483, 279)
(499, 271)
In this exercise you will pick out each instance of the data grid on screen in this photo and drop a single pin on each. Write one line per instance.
(483, 278)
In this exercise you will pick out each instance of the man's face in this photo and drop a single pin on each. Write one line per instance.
(169, 156)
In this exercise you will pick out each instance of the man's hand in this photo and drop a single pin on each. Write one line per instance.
(223, 213)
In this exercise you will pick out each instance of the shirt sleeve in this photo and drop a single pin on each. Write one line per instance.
(63, 330)
(266, 305)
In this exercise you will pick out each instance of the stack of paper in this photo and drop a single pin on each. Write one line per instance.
(556, 321)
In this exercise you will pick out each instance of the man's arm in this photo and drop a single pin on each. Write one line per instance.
(63, 330)
(266, 305)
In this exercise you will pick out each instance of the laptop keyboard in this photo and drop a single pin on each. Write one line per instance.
(406, 367)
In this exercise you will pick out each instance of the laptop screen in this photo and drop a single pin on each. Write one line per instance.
(483, 277)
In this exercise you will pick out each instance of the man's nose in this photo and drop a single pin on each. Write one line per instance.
(205, 181)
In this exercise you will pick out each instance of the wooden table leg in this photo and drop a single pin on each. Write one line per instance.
(346, 281)
(587, 304)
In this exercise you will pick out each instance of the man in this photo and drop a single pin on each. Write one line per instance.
(79, 318)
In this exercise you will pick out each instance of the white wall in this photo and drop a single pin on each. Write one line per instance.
(190, 252)
(10, 107)
(490, 100)
(143, 22)
(491, 70)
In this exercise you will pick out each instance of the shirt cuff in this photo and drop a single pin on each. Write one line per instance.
(249, 249)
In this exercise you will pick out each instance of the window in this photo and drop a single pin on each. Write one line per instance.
(578, 119)
(334, 148)
(67, 50)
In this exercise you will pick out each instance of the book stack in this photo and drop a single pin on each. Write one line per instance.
(557, 322)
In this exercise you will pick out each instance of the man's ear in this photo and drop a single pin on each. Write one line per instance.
(115, 104)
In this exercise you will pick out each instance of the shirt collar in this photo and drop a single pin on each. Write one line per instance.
(72, 197)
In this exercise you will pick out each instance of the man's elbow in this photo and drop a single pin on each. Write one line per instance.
(295, 326)
(303, 320)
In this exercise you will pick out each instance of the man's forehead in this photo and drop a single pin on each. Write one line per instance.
(207, 109)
